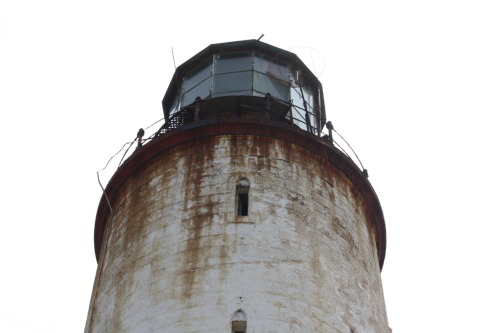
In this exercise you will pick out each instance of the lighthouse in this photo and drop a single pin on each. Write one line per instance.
(240, 214)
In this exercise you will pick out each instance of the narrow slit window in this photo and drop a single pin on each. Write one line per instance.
(242, 191)
(242, 204)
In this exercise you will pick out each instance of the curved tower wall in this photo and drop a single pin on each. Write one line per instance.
(175, 257)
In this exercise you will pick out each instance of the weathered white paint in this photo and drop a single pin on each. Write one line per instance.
(175, 258)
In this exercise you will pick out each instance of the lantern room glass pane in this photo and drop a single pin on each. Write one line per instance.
(308, 97)
(235, 93)
(295, 96)
(233, 62)
(272, 68)
(232, 82)
(277, 88)
(298, 113)
(202, 90)
(197, 75)
(311, 105)
(299, 117)
(261, 63)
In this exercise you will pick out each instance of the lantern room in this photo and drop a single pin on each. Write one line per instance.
(238, 76)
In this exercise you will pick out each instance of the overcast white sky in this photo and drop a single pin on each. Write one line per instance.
(412, 85)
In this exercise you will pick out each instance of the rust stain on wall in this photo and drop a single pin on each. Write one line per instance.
(195, 208)
(128, 236)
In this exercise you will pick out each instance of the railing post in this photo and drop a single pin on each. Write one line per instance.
(197, 109)
(329, 125)
(140, 134)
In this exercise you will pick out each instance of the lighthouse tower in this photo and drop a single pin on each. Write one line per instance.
(240, 215)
